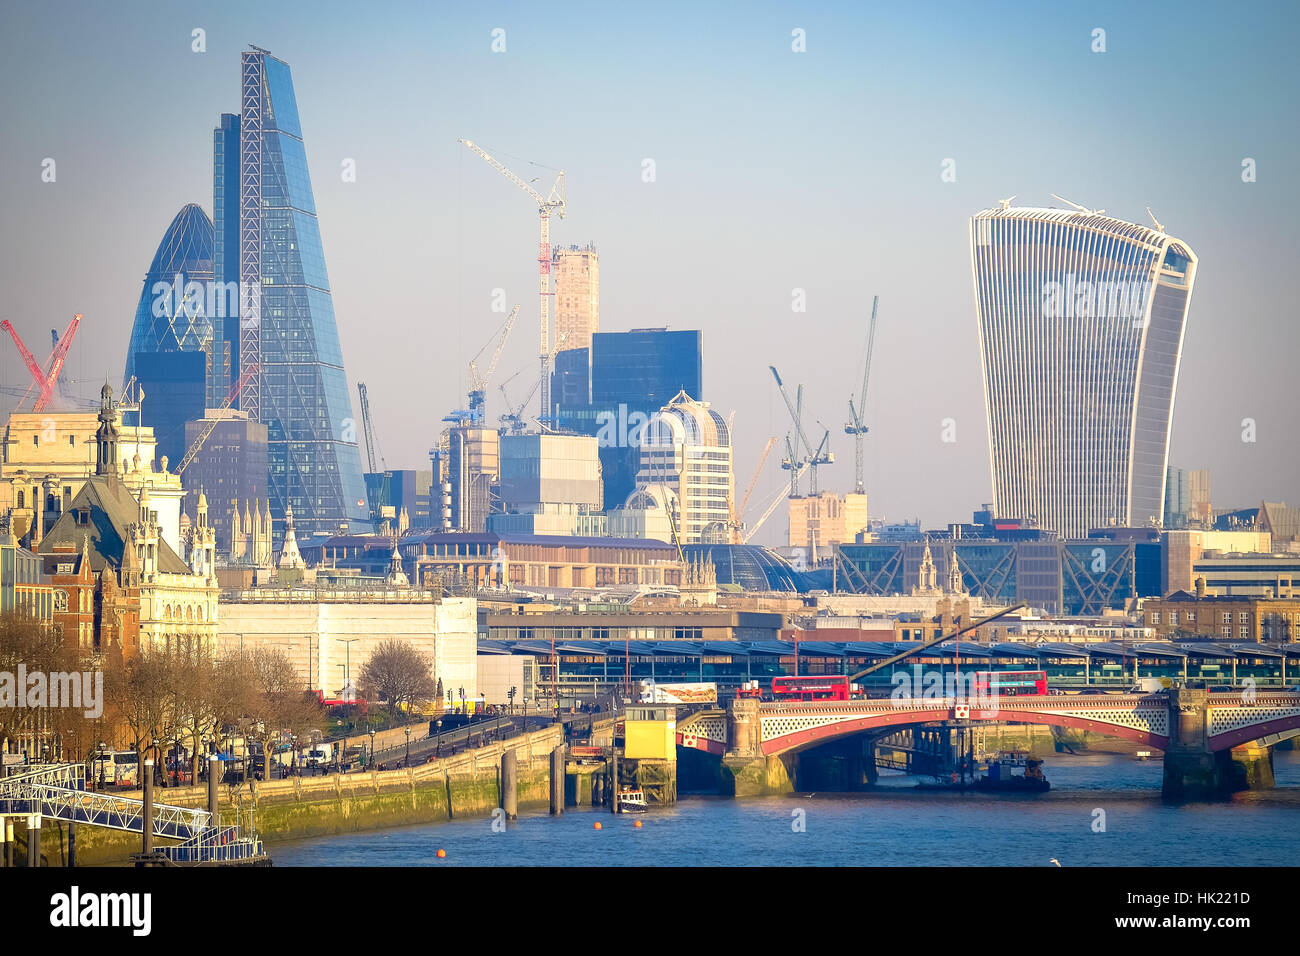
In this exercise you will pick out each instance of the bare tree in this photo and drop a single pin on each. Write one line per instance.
(400, 674)
(29, 646)
(142, 699)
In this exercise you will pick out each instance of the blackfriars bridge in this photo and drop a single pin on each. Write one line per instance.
(1212, 742)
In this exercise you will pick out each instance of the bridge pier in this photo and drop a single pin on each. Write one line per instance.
(1192, 770)
(746, 770)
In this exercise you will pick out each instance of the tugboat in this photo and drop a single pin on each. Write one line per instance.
(631, 801)
(1001, 776)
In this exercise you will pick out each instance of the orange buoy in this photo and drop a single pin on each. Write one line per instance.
(596, 825)
(441, 854)
(637, 824)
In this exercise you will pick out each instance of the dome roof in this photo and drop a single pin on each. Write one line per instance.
(164, 320)
(748, 566)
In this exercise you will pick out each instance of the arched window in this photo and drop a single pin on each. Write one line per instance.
(60, 600)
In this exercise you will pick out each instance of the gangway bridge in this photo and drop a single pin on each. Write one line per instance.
(57, 791)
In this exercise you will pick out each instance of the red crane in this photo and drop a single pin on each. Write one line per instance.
(45, 382)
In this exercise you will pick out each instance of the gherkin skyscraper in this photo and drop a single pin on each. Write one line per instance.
(285, 337)
(172, 336)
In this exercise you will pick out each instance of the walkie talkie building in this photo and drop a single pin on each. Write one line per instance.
(1081, 320)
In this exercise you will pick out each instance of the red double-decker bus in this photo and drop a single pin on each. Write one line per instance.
(1010, 683)
(828, 687)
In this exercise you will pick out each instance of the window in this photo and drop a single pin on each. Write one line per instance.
(1242, 631)
(1243, 617)
(1155, 617)
(1227, 617)
(72, 440)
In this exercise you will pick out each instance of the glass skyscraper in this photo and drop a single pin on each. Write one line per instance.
(268, 241)
(172, 336)
(1081, 320)
(631, 376)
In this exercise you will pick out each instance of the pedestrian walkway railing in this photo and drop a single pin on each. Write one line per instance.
(215, 845)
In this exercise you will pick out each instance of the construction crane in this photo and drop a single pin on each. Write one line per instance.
(856, 425)
(43, 380)
(513, 419)
(65, 396)
(553, 202)
(377, 498)
(212, 420)
(818, 457)
(738, 514)
(478, 381)
(767, 512)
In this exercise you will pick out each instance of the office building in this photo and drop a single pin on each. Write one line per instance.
(230, 468)
(268, 242)
(577, 296)
(1081, 320)
(471, 471)
(629, 377)
(48, 456)
(818, 522)
(172, 337)
(686, 448)
(549, 484)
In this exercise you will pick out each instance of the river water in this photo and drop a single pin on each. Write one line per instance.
(891, 825)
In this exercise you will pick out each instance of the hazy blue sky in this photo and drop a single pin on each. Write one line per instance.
(775, 170)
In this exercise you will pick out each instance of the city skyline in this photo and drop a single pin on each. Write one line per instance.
(463, 233)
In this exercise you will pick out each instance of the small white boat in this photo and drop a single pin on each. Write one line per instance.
(631, 801)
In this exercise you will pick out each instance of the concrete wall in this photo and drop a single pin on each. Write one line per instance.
(497, 673)
(313, 635)
(465, 785)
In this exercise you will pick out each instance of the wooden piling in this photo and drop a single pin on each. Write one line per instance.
(510, 785)
(147, 816)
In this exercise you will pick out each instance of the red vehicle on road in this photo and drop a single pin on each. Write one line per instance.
(807, 687)
(1010, 683)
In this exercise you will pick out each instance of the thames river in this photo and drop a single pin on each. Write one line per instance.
(1104, 810)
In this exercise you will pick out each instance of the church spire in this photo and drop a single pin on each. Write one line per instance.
(106, 435)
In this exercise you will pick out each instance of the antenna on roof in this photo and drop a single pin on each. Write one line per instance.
(1159, 227)
(1005, 204)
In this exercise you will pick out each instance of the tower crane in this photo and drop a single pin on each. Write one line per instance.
(212, 422)
(856, 425)
(553, 202)
(513, 419)
(478, 381)
(767, 512)
(820, 456)
(378, 497)
(43, 380)
(738, 513)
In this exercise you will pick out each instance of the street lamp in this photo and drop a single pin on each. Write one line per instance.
(408, 746)
(438, 722)
(372, 748)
